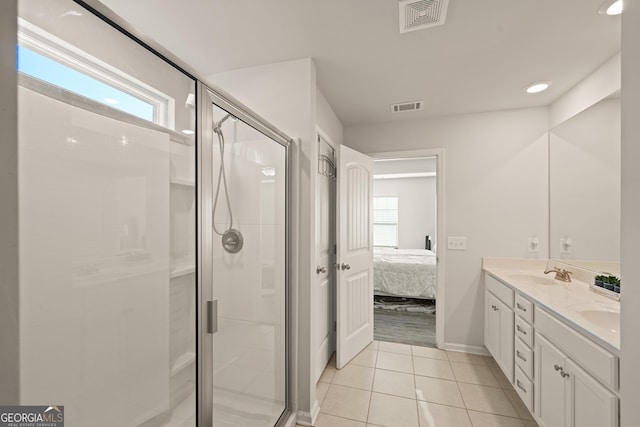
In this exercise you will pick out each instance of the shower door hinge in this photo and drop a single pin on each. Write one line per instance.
(212, 316)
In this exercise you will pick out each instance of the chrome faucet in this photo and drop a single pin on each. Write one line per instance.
(561, 274)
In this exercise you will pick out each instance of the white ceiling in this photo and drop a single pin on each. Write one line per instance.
(479, 60)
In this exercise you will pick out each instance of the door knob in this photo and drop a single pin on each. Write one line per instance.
(321, 270)
(346, 266)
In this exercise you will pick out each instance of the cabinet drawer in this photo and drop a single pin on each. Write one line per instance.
(524, 308)
(589, 355)
(524, 387)
(524, 331)
(500, 290)
(523, 356)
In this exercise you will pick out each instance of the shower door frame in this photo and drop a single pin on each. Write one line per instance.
(207, 97)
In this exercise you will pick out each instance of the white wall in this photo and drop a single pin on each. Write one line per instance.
(630, 252)
(327, 120)
(393, 166)
(9, 285)
(495, 195)
(284, 94)
(598, 85)
(416, 208)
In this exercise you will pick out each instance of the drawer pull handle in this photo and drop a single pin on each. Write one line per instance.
(520, 307)
(557, 367)
(521, 330)
(520, 355)
(564, 374)
(520, 386)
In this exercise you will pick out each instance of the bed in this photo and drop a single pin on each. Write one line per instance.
(404, 272)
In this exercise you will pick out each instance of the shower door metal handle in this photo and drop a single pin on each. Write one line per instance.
(212, 316)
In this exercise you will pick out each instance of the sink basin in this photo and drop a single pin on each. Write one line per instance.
(608, 318)
(532, 279)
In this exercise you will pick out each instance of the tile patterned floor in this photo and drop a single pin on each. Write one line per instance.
(398, 385)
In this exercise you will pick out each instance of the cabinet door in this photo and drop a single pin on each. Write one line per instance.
(591, 405)
(550, 404)
(507, 337)
(491, 324)
(498, 333)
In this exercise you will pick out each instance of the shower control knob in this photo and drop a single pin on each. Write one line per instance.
(321, 270)
(346, 266)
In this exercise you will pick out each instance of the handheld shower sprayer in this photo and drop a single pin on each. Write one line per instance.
(232, 240)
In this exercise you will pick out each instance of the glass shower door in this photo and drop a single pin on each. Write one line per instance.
(248, 254)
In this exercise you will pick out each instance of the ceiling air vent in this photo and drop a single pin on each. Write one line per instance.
(416, 15)
(407, 106)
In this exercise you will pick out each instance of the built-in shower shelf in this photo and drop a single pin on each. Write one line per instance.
(183, 182)
(183, 361)
(183, 270)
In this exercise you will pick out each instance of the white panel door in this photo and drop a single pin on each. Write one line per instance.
(354, 255)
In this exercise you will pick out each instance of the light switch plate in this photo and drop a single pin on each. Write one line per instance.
(457, 243)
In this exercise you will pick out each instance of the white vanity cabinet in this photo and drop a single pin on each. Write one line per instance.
(499, 324)
(568, 395)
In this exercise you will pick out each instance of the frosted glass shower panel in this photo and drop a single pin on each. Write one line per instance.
(250, 285)
(94, 262)
(107, 223)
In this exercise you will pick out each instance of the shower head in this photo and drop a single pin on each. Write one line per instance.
(218, 125)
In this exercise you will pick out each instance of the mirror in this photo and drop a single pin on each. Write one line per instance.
(584, 188)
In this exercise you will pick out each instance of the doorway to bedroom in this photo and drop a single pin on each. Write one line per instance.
(405, 235)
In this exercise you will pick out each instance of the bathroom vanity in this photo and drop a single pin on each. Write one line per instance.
(557, 342)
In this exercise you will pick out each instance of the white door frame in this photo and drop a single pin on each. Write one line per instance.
(441, 243)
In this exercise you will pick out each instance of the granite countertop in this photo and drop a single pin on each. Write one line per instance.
(564, 300)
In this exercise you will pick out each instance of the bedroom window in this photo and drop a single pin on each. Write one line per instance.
(385, 221)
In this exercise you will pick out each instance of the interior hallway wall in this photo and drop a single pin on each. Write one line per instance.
(496, 196)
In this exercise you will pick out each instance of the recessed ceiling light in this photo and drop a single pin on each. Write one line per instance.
(537, 87)
(188, 132)
(611, 7)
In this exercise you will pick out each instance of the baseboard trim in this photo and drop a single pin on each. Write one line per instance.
(463, 348)
(308, 418)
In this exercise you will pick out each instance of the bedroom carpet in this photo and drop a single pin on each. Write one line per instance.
(405, 321)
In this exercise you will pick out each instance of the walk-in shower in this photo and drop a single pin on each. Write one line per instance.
(232, 239)
(249, 286)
